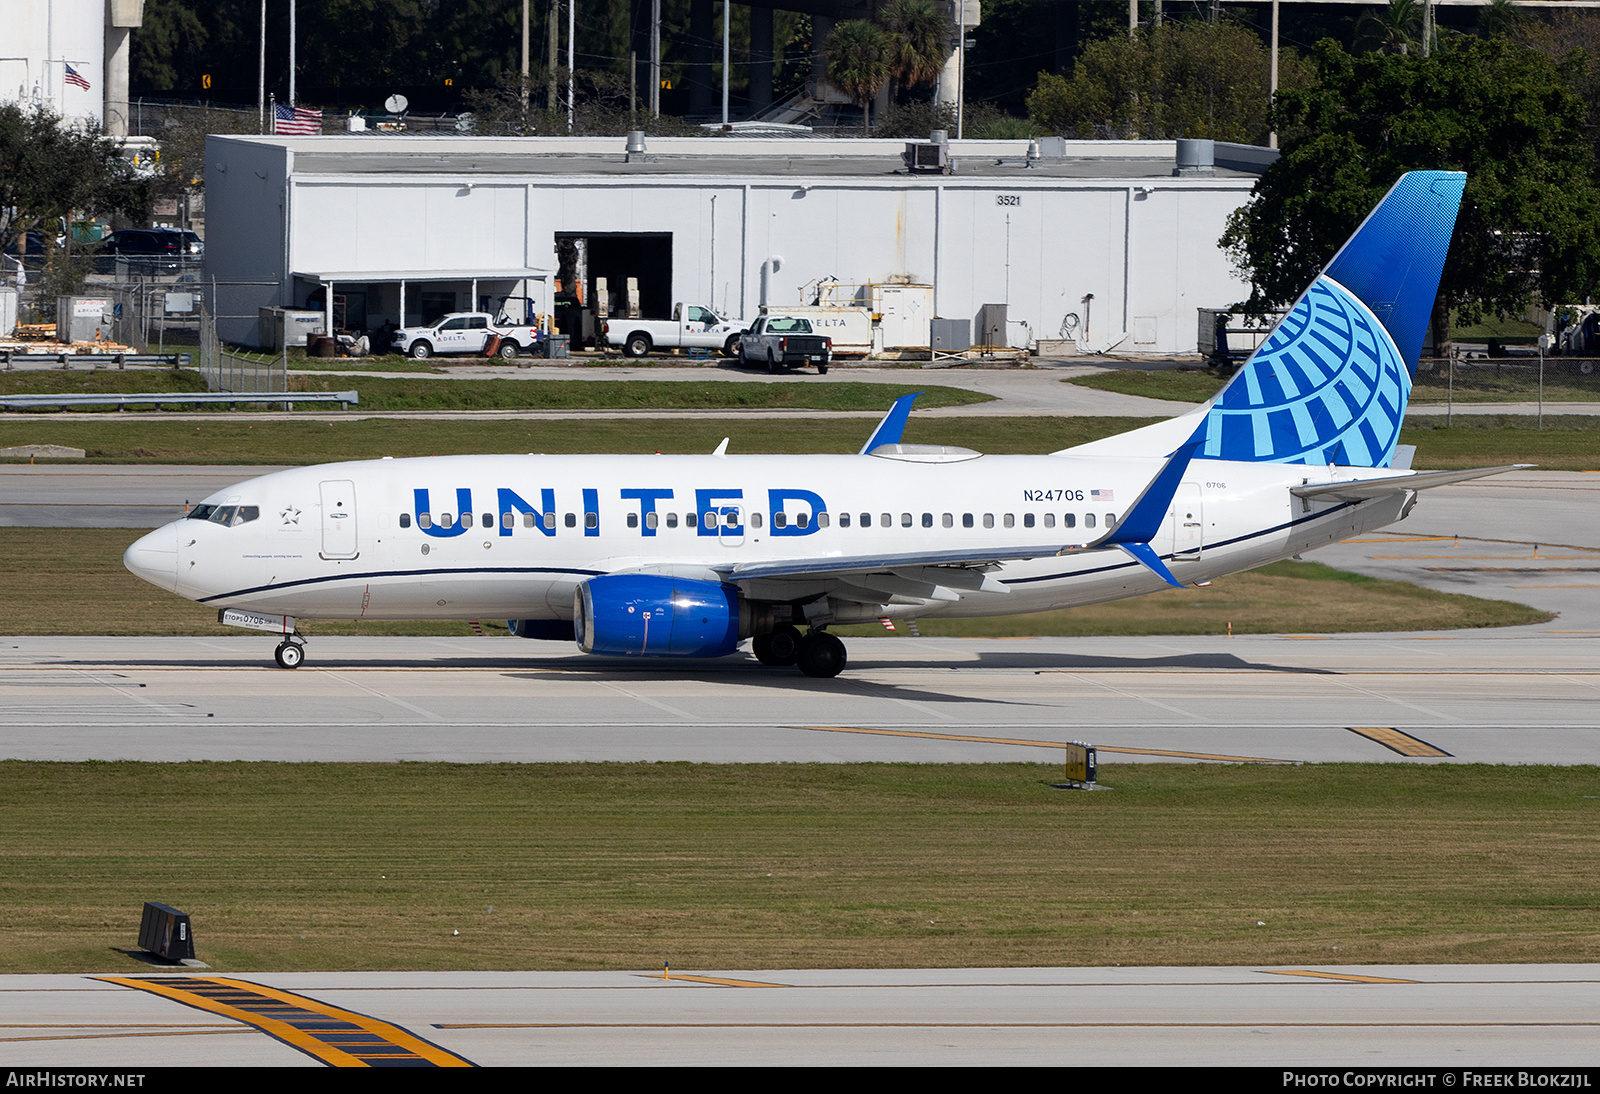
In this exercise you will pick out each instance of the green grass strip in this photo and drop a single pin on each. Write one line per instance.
(624, 866)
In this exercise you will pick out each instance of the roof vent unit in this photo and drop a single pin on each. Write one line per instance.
(1196, 157)
(927, 156)
(635, 145)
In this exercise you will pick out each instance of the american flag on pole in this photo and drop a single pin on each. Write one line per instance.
(296, 121)
(75, 79)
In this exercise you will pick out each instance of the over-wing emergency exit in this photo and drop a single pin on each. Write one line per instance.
(689, 556)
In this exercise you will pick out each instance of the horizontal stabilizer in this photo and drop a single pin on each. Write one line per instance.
(1363, 489)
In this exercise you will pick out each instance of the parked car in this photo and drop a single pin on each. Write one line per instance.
(160, 248)
(785, 341)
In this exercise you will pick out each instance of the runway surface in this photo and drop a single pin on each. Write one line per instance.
(1514, 696)
(1455, 1016)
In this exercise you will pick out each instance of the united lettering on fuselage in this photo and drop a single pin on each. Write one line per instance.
(691, 556)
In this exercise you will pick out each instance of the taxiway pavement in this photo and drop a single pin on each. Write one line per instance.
(1423, 1016)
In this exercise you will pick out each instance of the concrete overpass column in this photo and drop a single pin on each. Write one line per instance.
(760, 59)
(701, 99)
(821, 27)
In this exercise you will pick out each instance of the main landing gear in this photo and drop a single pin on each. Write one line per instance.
(290, 653)
(817, 654)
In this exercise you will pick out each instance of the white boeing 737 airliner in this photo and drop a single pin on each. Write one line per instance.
(691, 555)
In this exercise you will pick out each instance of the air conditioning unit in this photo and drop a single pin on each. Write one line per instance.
(927, 156)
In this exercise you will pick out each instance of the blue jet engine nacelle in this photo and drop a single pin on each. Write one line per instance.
(636, 614)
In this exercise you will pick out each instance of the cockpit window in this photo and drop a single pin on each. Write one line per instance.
(229, 516)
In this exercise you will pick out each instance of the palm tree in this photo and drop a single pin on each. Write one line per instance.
(921, 33)
(1395, 28)
(858, 62)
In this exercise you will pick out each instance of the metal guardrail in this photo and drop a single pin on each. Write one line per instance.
(9, 359)
(345, 399)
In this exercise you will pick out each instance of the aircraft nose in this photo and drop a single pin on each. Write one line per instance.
(155, 557)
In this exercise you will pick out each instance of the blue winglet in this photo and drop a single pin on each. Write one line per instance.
(893, 424)
(1146, 554)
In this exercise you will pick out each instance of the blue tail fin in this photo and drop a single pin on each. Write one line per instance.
(1330, 385)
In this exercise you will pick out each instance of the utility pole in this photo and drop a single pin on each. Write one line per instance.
(524, 90)
(261, 89)
(292, 99)
(727, 17)
(655, 58)
(572, 62)
(555, 36)
(1272, 84)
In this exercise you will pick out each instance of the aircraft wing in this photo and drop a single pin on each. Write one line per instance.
(1366, 489)
(964, 568)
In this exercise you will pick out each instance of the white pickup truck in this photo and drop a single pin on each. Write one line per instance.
(466, 332)
(691, 327)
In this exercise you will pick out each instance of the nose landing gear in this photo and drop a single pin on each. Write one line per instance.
(290, 653)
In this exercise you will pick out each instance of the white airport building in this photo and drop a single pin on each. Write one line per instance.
(1103, 245)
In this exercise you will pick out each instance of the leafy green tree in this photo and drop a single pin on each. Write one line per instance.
(858, 62)
(1529, 226)
(52, 173)
(1182, 79)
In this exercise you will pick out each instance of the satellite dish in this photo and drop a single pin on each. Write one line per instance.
(396, 104)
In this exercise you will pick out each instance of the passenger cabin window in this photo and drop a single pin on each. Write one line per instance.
(1111, 518)
(1011, 521)
(780, 519)
(405, 520)
(1088, 520)
(905, 520)
(1069, 520)
(927, 520)
(445, 520)
(988, 520)
(652, 520)
(466, 520)
(633, 520)
(948, 520)
(591, 520)
(1027, 520)
(691, 520)
(966, 520)
(572, 520)
(424, 520)
(672, 520)
(844, 520)
(755, 520)
(822, 520)
(488, 520)
(803, 520)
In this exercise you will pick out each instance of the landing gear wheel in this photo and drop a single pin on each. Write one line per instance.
(289, 655)
(781, 647)
(821, 654)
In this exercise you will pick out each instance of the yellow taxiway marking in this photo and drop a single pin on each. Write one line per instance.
(1044, 744)
(726, 983)
(1396, 741)
(1340, 976)
(331, 1034)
